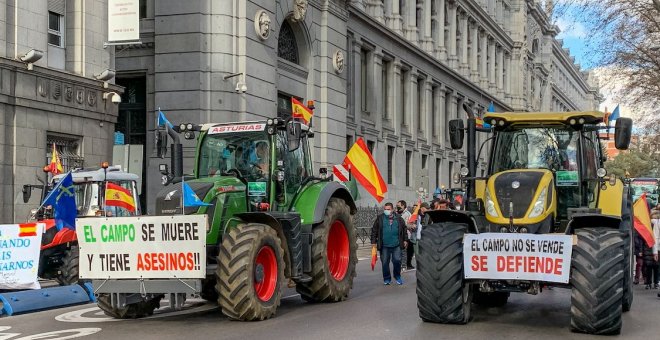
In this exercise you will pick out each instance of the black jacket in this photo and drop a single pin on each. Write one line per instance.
(377, 231)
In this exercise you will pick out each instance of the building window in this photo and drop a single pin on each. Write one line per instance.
(364, 80)
(370, 146)
(55, 29)
(424, 162)
(385, 86)
(287, 46)
(349, 142)
(450, 174)
(438, 167)
(143, 9)
(408, 167)
(390, 167)
(68, 148)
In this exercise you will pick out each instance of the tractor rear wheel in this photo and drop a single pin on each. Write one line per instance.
(494, 299)
(250, 272)
(597, 278)
(334, 256)
(443, 296)
(67, 274)
(132, 311)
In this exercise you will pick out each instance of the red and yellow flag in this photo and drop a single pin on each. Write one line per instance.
(415, 213)
(301, 111)
(116, 196)
(55, 163)
(27, 230)
(642, 220)
(362, 165)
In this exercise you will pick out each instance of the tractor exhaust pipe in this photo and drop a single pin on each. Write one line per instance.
(176, 157)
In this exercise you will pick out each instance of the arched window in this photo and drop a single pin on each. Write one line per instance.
(287, 46)
(535, 46)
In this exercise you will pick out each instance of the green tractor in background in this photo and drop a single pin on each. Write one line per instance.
(270, 219)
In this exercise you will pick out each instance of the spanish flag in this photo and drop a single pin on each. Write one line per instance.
(27, 230)
(642, 218)
(415, 214)
(362, 165)
(301, 111)
(116, 196)
(55, 165)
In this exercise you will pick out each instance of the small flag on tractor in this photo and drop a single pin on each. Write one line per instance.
(301, 111)
(55, 166)
(118, 196)
(374, 257)
(63, 200)
(190, 198)
(642, 220)
(365, 170)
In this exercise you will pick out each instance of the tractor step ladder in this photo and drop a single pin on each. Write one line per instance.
(46, 298)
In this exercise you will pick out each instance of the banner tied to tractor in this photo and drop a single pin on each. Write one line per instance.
(503, 256)
(149, 247)
(19, 255)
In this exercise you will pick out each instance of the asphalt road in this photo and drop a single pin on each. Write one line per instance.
(373, 311)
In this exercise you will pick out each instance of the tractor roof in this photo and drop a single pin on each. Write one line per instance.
(592, 117)
(114, 173)
(207, 126)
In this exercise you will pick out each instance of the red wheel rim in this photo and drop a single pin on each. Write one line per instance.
(265, 278)
(338, 250)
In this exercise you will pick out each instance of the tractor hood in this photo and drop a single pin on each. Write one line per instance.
(526, 195)
(168, 201)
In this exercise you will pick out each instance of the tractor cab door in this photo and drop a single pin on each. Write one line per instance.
(294, 162)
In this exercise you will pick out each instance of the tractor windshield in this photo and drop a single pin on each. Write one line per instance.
(246, 154)
(648, 186)
(549, 148)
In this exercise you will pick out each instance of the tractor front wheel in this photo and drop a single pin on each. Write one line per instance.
(250, 272)
(443, 296)
(597, 278)
(334, 256)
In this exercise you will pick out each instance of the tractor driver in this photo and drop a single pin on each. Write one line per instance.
(259, 159)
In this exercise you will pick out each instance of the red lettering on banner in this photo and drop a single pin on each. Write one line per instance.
(521, 264)
(165, 261)
(501, 263)
(558, 266)
(480, 263)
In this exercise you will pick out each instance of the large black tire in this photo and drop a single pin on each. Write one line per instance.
(132, 311)
(626, 228)
(494, 299)
(597, 277)
(237, 265)
(68, 271)
(324, 286)
(443, 296)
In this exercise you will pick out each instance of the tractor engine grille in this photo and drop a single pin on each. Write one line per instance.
(168, 201)
(521, 197)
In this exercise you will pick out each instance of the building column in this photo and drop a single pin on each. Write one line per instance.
(411, 31)
(474, 61)
(428, 110)
(440, 117)
(357, 71)
(376, 80)
(507, 80)
(428, 34)
(483, 72)
(491, 7)
(491, 66)
(500, 72)
(440, 48)
(395, 18)
(359, 4)
(411, 102)
(453, 58)
(464, 67)
(395, 98)
(376, 9)
(499, 12)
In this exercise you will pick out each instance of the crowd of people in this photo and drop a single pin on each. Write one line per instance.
(647, 264)
(395, 233)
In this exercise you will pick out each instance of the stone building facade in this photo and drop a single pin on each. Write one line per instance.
(55, 100)
(390, 71)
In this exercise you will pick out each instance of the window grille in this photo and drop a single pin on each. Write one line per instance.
(287, 46)
(68, 150)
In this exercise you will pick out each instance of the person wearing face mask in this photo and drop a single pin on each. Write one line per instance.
(402, 210)
(388, 235)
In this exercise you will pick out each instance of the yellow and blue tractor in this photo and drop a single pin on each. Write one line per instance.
(546, 214)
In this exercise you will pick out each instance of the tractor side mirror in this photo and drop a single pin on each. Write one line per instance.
(161, 143)
(293, 132)
(27, 192)
(456, 134)
(623, 133)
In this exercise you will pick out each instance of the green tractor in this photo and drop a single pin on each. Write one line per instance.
(545, 215)
(271, 220)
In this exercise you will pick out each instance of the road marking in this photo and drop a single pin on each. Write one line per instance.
(290, 296)
(95, 314)
(77, 316)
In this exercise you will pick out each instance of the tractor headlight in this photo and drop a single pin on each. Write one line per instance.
(539, 205)
(490, 205)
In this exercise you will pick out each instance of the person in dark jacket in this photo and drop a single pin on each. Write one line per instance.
(389, 236)
(651, 263)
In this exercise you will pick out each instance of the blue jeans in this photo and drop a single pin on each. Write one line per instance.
(393, 253)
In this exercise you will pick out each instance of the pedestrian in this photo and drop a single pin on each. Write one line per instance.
(639, 258)
(442, 204)
(388, 235)
(402, 210)
(650, 255)
(422, 220)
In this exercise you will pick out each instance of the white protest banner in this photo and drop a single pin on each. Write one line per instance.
(504, 256)
(123, 20)
(149, 247)
(20, 245)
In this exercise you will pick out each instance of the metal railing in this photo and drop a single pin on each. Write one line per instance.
(363, 221)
